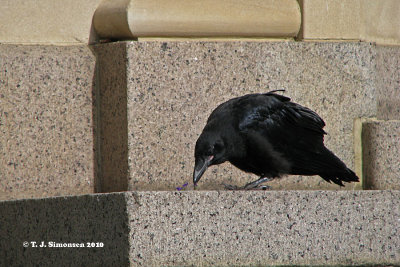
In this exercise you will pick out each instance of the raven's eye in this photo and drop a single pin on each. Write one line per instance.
(217, 147)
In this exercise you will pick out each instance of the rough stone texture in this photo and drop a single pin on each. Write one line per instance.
(381, 154)
(203, 228)
(366, 20)
(192, 18)
(81, 219)
(172, 88)
(388, 84)
(47, 21)
(264, 228)
(46, 121)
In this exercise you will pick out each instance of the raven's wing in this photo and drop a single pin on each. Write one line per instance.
(271, 113)
(295, 132)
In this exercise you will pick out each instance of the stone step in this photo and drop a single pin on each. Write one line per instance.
(156, 97)
(204, 228)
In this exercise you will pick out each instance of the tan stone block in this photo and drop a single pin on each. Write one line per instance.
(330, 19)
(47, 21)
(381, 21)
(191, 18)
(46, 121)
(365, 20)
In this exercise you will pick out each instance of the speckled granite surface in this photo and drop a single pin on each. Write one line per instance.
(172, 88)
(205, 228)
(264, 228)
(388, 83)
(46, 121)
(381, 154)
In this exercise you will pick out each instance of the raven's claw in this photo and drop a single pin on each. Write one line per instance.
(255, 185)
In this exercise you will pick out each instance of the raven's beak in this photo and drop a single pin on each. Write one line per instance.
(200, 167)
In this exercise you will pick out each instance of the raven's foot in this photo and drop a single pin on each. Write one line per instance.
(256, 185)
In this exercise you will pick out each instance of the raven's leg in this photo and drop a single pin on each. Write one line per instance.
(255, 185)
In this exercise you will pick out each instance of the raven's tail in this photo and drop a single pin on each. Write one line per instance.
(338, 177)
(338, 172)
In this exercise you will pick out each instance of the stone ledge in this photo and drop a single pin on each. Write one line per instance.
(203, 228)
(151, 18)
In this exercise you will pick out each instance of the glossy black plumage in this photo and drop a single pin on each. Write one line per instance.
(268, 135)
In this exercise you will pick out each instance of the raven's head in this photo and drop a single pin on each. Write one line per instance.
(210, 150)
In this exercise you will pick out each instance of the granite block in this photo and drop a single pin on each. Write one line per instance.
(65, 220)
(272, 228)
(381, 154)
(205, 228)
(46, 121)
(172, 87)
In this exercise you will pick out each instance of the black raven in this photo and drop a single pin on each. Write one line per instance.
(268, 135)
